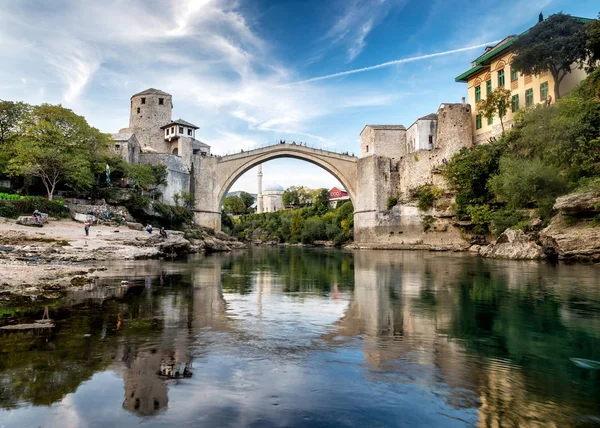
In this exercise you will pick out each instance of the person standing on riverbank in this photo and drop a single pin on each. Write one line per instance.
(86, 226)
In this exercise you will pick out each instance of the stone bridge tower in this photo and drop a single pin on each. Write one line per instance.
(150, 109)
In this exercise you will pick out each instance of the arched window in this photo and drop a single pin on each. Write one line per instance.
(175, 151)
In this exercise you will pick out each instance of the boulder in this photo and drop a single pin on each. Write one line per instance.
(174, 244)
(576, 242)
(578, 204)
(514, 245)
(28, 220)
(135, 226)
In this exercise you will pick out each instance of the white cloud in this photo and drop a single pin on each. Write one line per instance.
(353, 26)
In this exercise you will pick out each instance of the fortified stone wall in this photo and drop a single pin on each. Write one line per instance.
(178, 178)
(379, 178)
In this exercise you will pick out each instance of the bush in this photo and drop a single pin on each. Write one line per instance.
(528, 182)
(7, 209)
(29, 204)
(468, 173)
(392, 202)
(507, 218)
(481, 216)
(314, 230)
(426, 196)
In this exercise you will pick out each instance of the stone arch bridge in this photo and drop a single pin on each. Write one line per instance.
(214, 176)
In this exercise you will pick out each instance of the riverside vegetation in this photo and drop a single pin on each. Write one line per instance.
(552, 150)
(306, 225)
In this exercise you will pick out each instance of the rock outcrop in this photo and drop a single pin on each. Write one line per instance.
(578, 204)
(575, 242)
(514, 245)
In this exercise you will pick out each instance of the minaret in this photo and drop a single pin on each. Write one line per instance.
(259, 198)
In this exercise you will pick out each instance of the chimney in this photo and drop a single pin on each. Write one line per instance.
(463, 100)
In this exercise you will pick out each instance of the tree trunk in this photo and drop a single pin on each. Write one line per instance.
(502, 125)
(557, 81)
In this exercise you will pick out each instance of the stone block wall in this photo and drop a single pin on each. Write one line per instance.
(178, 178)
(383, 140)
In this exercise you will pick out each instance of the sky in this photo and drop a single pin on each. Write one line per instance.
(252, 72)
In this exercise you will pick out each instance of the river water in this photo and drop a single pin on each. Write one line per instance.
(319, 338)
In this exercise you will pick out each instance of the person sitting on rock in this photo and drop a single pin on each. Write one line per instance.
(163, 233)
(149, 228)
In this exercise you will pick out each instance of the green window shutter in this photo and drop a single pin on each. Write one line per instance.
(477, 93)
(529, 97)
(501, 78)
(515, 103)
(488, 88)
(513, 74)
(478, 121)
(544, 91)
(490, 120)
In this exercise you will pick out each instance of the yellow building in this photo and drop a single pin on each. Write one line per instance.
(493, 69)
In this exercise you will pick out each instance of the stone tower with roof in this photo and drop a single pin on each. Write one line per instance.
(150, 110)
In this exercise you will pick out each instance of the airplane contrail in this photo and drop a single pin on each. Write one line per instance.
(394, 62)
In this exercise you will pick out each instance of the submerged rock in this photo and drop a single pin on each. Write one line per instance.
(514, 245)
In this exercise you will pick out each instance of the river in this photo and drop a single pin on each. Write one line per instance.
(295, 337)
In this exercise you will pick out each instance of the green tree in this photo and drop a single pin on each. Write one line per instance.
(58, 145)
(141, 175)
(495, 105)
(556, 44)
(13, 116)
(248, 200)
(291, 196)
(592, 43)
(234, 205)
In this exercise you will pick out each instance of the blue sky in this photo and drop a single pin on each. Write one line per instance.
(242, 70)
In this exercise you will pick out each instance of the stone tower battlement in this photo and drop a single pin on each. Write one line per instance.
(150, 109)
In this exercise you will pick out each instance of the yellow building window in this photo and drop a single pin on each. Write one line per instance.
(544, 91)
(490, 119)
(488, 87)
(529, 97)
(477, 93)
(515, 103)
(513, 74)
(478, 121)
(501, 78)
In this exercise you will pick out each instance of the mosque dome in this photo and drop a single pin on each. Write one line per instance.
(273, 186)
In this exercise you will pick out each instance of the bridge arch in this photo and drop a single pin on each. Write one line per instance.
(323, 161)
(214, 175)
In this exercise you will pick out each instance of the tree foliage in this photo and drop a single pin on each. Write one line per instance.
(550, 151)
(592, 43)
(305, 225)
(554, 45)
(495, 104)
(234, 205)
(57, 145)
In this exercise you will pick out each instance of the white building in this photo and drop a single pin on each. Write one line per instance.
(272, 197)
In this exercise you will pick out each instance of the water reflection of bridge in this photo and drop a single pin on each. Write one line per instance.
(402, 308)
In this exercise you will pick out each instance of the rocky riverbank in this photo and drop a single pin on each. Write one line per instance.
(572, 235)
(45, 261)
